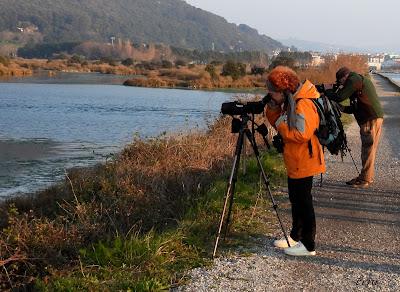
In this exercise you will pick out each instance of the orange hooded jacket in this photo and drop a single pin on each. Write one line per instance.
(300, 162)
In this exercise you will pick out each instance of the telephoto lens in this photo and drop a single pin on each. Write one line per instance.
(237, 108)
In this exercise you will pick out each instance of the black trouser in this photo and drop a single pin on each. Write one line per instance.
(303, 215)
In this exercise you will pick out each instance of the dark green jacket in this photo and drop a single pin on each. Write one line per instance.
(363, 98)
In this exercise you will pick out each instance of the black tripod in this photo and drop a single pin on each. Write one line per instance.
(345, 148)
(241, 126)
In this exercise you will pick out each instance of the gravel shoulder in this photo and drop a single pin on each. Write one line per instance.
(358, 231)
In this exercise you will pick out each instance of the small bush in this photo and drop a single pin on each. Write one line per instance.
(258, 70)
(76, 59)
(166, 64)
(127, 62)
(212, 71)
(109, 60)
(180, 63)
(235, 70)
(282, 61)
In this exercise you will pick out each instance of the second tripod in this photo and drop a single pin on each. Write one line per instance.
(241, 126)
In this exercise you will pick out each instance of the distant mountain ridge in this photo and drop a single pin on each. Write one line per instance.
(172, 22)
(304, 45)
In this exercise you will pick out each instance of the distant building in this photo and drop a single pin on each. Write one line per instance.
(317, 60)
(375, 62)
(392, 63)
(275, 52)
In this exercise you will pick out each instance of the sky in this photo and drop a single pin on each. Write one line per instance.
(356, 23)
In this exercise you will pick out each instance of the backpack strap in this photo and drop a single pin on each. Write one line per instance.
(359, 92)
(310, 148)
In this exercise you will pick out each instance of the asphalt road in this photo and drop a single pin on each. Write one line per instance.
(358, 230)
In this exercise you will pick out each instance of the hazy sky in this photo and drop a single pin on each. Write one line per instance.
(358, 23)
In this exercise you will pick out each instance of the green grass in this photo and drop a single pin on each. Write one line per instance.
(156, 261)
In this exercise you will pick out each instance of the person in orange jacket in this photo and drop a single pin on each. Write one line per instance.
(293, 114)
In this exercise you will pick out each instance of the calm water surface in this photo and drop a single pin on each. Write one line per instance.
(394, 76)
(47, 126)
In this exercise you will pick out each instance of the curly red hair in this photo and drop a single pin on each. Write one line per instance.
(283, 78)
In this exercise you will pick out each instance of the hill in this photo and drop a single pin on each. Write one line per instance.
(172, 22)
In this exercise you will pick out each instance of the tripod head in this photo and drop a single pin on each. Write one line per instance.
(240, 123)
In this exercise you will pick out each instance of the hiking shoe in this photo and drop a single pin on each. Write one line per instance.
(352, 181)
(361, 184)
(299, 250)
(282, 243)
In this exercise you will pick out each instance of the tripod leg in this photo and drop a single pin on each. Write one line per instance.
(230, 190)
(321, 181)
(228, 217)
(221, 222)
(253, 143)
(355, 165)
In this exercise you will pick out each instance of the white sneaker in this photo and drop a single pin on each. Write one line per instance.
(282, 243)
(299, 250)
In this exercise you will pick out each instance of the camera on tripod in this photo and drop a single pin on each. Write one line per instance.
(251, 107)
(246, 126)
(245, 109)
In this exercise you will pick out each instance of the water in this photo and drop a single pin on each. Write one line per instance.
(47, 128)
(394, 76)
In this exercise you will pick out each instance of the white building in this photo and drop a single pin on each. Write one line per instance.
(375, 62)
(317, 60)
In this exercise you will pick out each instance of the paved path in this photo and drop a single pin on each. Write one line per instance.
(358, 231)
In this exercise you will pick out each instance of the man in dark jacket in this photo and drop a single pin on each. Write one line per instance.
(366, 107)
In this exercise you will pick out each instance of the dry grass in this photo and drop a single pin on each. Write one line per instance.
(66, 66)
(108, 69)
(14, 69)
(195, 77)
(150, 185)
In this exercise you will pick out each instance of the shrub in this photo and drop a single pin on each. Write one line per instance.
(127, 62)
(282, 61)
(212, 71)
(235, 70)
(258, 70)
(109, 60)
(148, 65)
(76, 59)
(166, 64)
(216, 63)
(180, 63)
